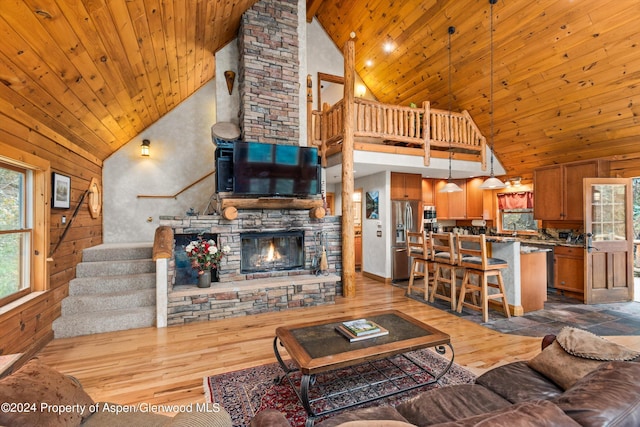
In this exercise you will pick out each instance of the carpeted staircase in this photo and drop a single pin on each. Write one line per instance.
(114, 290)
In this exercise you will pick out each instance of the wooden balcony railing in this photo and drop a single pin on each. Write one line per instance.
(399, 125)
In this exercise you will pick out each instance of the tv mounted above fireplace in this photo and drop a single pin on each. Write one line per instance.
(261, 169)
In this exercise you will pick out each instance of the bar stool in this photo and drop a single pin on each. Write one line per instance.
(443, 256)
(472, 255)
(418, 250)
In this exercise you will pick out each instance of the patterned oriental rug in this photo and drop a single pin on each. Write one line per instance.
(246, 392)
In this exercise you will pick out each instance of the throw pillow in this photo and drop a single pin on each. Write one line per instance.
(581, 343)
(575, 353)
(561, 367)
(38, 395)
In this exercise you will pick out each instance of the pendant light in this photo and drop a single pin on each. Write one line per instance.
(492, 182)
(450, 186)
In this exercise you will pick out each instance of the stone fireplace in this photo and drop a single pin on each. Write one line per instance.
(271, 251)
(250, 280)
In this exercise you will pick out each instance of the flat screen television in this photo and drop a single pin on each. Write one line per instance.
(261, 169)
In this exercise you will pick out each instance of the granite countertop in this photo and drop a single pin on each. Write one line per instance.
(534, 241)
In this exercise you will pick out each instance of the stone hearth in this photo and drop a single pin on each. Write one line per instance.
(237, 293)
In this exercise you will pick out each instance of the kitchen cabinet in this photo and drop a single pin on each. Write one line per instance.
(471, 203)
(427, 192)
(558, 189)
(451, 205)
(406, 186)
(480, 203)
(533, 285)
(569, 269)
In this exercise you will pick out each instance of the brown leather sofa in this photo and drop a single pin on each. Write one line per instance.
(605, 394)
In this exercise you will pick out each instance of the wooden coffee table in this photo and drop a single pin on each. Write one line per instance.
(352, 373)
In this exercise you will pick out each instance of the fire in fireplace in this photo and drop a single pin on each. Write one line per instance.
(271, 251)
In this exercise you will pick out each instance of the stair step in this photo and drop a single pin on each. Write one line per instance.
(107, 321)
(117, 252)
(114, 268)
(111, 284)
(99, 305)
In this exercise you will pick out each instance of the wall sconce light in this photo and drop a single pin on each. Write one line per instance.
(361, 90)
(145, 148)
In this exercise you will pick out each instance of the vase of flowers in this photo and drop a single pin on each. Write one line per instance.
(205, 256)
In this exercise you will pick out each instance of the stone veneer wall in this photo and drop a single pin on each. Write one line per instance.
(240, 294)
(268, 78)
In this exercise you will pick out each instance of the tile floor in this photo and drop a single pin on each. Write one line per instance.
(559, 311)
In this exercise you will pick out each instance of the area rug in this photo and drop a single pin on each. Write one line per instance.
(246, 392)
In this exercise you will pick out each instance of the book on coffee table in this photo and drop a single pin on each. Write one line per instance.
(361, 327)
(380, 331)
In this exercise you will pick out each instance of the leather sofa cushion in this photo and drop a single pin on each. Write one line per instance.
(608, 396)
(534, 413)
(106, 416)
(529, 384)
(378, 413)
(450, 403)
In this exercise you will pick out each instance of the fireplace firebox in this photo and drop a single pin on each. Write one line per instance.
(271, 251)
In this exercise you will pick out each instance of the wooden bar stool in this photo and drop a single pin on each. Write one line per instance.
(418, 250)
(472, 255)
(443, 256)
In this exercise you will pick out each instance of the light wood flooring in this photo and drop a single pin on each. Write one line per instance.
(167, 366)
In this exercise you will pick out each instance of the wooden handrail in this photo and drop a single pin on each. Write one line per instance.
(414, 126)
(163, 243)
(146, 196)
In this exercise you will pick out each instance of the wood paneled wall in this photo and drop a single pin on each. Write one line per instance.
(27, 327)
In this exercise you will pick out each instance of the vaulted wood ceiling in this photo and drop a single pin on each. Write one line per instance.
(566, 72)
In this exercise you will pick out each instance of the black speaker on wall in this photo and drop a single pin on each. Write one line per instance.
(224, 170)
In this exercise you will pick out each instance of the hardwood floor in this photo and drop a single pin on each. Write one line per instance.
(167, 365)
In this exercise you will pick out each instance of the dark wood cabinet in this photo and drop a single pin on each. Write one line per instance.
(406, 186)
(558, 189)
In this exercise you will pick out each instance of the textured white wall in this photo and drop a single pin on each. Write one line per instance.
(227, 59)
(181, 153)
(181, 147)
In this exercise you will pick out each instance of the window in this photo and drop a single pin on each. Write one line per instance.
(23, 223)
(15, 231)
(516, 213)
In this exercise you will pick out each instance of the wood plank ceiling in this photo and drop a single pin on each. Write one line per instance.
(566, 79)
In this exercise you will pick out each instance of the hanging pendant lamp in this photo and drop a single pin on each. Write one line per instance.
(450, 186)
(492, 182)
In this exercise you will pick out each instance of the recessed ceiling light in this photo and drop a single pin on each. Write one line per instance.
(388, 47)
(368, 63)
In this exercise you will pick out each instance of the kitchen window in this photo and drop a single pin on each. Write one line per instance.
(516, 213)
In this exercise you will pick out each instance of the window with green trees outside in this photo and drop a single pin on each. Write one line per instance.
(15, 231)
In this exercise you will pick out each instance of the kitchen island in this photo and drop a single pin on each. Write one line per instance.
(525, 280)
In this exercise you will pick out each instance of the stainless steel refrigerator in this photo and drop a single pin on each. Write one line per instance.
(405, 216)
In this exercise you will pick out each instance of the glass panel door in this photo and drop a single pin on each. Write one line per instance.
(609, 212)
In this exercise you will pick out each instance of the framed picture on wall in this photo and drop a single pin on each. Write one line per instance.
(372, 205)
(61, 193)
